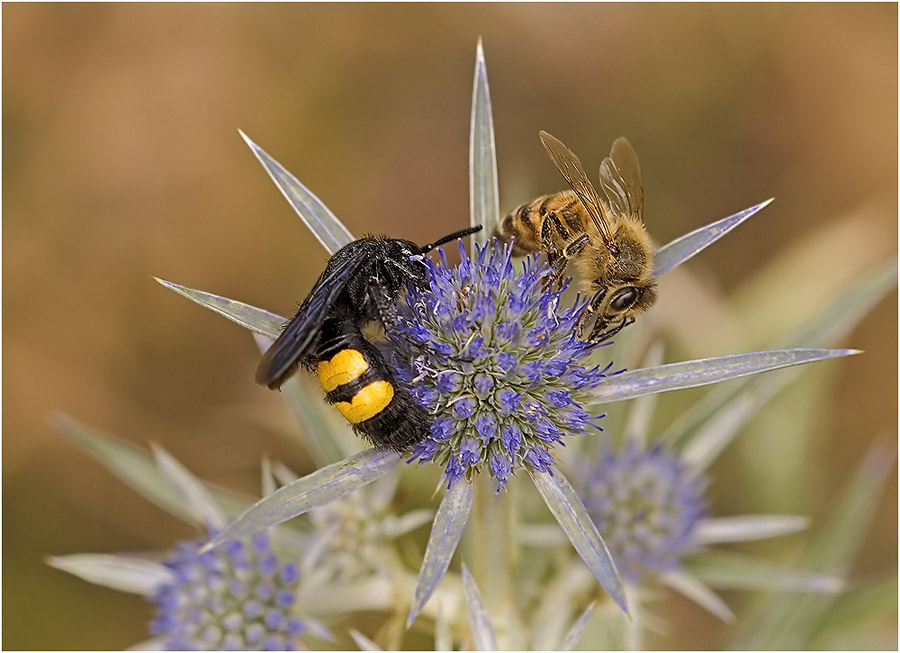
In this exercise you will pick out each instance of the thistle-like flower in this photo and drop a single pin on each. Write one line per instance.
(647, 504)
(236, 597)
(240, 596)
(508, 383)
(499, 367)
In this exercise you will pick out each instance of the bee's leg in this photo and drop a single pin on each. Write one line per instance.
(596, 336)
(592, 307)
(556, 258)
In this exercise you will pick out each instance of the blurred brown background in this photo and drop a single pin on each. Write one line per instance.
(121, 160)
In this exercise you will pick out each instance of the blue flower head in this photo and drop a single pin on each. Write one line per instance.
(495, 360)
(234, 597)
(646, 503)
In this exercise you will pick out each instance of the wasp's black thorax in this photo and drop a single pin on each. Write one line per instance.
(360, 285)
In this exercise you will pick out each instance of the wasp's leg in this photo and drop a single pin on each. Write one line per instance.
(383, 303)
(384, 310)
(597, 336)
(407, 268)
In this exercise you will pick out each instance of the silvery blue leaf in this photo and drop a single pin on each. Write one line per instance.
(443, 635)
(826, 328)
(714, 436)
(479, 621)
(735, 571)
(323, 432)
(697, 591)
(128, 463)
(321, 221)
(267, 481)
(249, 317)
(681, 249)
(152, 644)
(746, 528)
(571, 514)
(363, 642)
(191, 490)
(137, 469)
(316, 489)
(577, 629)
(483, 194)
(120, 572)
(690, 374)
(449, 523)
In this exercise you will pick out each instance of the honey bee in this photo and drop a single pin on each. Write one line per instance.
(603, 235)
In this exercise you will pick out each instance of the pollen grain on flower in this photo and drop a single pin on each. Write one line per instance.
(497, 364)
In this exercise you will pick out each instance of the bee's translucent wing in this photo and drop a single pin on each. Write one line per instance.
(620, 182)
(570, 167)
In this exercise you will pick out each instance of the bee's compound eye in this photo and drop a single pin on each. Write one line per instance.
(624, 299)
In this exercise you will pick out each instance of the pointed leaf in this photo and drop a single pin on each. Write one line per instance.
(479, 621)
(825, 329)
(857, 611)
(560, 595)
(137, 469)
(122, 573)
(846, 310)
(152, 644)
(449, 523)
(736, 571)
(713, 437)
(574, 635)
(316, 489)
(249, 317)
(747, 528)
(373, 593)
(689, 374)
(443, 636)
(305, 401)
(316, 628)
(129, 464)
(694, 589)
(640, 415)
(571, 514)
(363, 642)
(191, 490)
(483, 194)
(789, 622)
(267, 482)
(396, 526)
(321, 221)
(680, 250)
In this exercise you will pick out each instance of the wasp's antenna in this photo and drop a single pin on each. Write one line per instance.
(456, 235)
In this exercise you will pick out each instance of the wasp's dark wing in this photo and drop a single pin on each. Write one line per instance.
(299, 335)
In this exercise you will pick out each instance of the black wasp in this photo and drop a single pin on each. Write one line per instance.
(359, 285)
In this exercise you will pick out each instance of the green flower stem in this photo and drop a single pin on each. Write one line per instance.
(492, 546)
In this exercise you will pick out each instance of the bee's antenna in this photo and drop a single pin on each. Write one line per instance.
(456, 235)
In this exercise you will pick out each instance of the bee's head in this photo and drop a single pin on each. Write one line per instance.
(627, 299)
